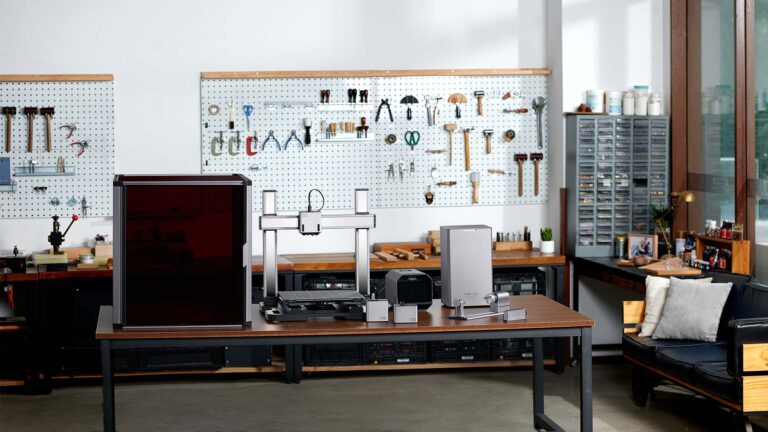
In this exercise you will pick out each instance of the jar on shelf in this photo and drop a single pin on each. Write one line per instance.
(641, 100)
(628, 103)
(595, 100)
(613, 102)
(654, 104)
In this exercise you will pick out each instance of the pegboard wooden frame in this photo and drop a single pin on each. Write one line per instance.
(372, 73)
(85, 99)
(324, 161)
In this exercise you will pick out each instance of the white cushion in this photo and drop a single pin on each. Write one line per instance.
(655, 297)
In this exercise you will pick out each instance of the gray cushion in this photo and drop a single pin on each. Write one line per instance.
(692, 310)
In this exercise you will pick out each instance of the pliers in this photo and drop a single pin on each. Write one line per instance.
(292, 138)
(270, 137)
(83, 144)
(71, 127)
(384, 102)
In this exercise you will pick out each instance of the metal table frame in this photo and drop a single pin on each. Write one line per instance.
(293, 359)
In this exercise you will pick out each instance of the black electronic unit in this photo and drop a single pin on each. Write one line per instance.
(182, 251)
(327, 283)
(334, 355)
(518, 349)
(163, 359)
(310, 305)
(460, 351)
(396, 353)
(409, 287)
(520, 282)
(247, 356)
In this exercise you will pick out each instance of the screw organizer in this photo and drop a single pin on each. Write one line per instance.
(617, 169)
(52, 185)
(337, 166)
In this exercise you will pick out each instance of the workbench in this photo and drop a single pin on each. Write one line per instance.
(61, 309)
(546, 319)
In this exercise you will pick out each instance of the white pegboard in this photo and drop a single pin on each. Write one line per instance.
(337, 168)
(88, 104)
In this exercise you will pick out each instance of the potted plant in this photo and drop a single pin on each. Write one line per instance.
(547, 244)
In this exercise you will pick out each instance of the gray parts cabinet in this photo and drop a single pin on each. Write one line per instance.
(617, 168)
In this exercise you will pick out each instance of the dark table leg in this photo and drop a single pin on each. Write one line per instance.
(538, 382)
(586, 379)
(288, 364)
(107, 387)
(297, 364)
(559, 343)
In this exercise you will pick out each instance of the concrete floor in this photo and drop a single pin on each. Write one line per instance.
(448, 401)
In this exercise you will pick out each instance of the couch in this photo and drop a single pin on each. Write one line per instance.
(733, 371)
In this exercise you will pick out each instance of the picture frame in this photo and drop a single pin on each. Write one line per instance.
(641, 244)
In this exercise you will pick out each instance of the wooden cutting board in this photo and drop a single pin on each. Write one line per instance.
(660, 269)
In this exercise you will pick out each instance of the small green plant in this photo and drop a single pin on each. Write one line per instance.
(546, 234)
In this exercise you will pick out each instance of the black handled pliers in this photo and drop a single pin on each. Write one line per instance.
(384, 103)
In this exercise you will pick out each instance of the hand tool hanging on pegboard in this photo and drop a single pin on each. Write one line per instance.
(234, 140)
(479, 95)
(450, 127)
(520, 158)
(352, 96)
(30, 112)
(538, 106)
(270, 137)
(384, 103)
(71, 127)
(8, 112)
(467, 158)
(293, 137)
(456, 99)
(412, 138)
(307, 129)
(47, 113)
(82, 145)
(249, 144)
(488, 134)
(408, 101)
(247, 110)
(363, 96)
(536, 157)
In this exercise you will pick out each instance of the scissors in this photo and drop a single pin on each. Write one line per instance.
(412, 138)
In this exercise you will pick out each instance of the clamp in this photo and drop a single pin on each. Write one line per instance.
(248, 147)
(233, 140)
(82, 144)
(270, 137)
(384, 103)
(71, 127)
(293, 137)
(216, 141)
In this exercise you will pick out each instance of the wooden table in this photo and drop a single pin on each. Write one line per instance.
(546, 319)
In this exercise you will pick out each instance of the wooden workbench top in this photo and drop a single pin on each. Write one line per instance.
(312, 262)
(346, 261)
(543, 313)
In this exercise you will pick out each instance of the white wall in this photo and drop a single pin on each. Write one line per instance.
(157, 49)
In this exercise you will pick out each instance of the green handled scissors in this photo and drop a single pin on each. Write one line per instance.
(412, 138)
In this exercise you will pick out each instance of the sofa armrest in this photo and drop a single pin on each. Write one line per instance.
(633, 313)
(747, 346)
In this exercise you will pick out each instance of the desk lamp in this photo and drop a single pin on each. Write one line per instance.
(675, 198)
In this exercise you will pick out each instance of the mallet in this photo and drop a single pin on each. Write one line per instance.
(9, 112)
(488, 133)
(479, 95)
(520, 158)
(47, 112)
(467, 163)
(30, 112)
(536, 157)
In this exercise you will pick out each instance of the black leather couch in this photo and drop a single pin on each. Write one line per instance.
(723, 370)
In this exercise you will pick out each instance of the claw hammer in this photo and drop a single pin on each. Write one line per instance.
(30, 112)
(467, 163)
(520, 158)
(47, 112)
(9, 112)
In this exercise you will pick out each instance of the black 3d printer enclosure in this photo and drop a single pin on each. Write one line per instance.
(182, 251)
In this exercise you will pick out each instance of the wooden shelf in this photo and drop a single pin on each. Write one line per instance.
(56, 77)
(11, 383)
(276, 367)
(739, 251)
(425, 366)
(372, 73)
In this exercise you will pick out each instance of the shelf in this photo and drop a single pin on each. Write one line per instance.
(11, 383)
(373, 73)
(43, 171)
(276, 367)
(347, 138)
(345, 107)
(8, 188)
(425, 366)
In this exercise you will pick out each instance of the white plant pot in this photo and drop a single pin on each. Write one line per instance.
(547, 247)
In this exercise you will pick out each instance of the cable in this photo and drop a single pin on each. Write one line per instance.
(309, 199)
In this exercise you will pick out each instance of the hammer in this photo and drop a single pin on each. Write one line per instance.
(488, 133)
(30, 113)
(536, 157)
(520, 158)
(9, 112)
(466, 148)
(479, 95)
(47, 112)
